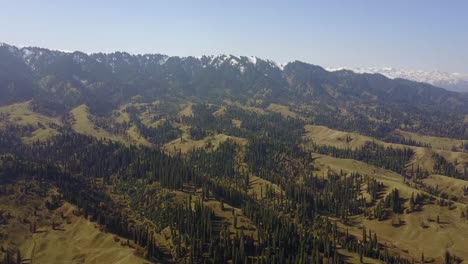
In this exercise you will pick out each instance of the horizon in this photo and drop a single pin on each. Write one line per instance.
(330, 68)
(420, 35)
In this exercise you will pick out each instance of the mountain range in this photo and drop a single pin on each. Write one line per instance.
(370, 102)
(456, 81)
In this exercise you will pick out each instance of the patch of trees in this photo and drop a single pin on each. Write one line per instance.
(444, 167)
(163, 133)
(277, 161)
(197, 133)
(389, 158)
(158, 135)
(418, 173)
(392, 138)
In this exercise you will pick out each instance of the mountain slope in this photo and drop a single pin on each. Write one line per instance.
(457, 82)
(59, 82)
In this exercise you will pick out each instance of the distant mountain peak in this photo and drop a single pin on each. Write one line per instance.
(451, 81)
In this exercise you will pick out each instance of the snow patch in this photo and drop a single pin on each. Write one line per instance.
(253, 60)
(276, 64)
(163, 60)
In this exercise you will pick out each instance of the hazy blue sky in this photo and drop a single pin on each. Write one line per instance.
(413, 34)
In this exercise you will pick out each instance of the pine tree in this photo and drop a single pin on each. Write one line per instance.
(18, 256)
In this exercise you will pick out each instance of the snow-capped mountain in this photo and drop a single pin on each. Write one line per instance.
(59, 81)
(33, 55)
(451, 81)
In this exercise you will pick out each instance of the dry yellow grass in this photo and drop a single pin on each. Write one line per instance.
(81, 241)
(121, 116)
(227, 217)
(187, 144)
(186, 111)
(41, 134)
(327, 164)
(22, 115)
(282, 109)
(440, 143)
(220, 112)
(237, 123)
(353, 258)
(413, 237)
(148, 120)
(75, 240)
(136, 137)
(420, 233)
(423, 156)
(82, 124)
(326, 136)
(245, 107)
(258, 186)
(451, 186)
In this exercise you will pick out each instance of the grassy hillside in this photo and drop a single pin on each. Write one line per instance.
(42, 127)
(419, 233)
(82, 123)
(440, 143)
(281, 146)
(283, 110)
(423, 156)
(186, 143)
(61, 234)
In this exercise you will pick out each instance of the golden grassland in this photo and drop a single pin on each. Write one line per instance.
(354, 258)
(82, 124)
(136, 138)
(327, 164)
(237, 123)
(258, 187)
(419, 233)
(220, 112)
(121, 116)
(326, 136)
(21, 114)
(186, 143)
(439, 143)
(254, 109)
(186, 110)
(423, 156)
(73, 240)
(283, 110)
(82, 241)
(451, 186)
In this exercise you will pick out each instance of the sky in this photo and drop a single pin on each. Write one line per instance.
(410, 34)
